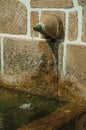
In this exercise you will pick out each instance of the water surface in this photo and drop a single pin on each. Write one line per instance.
(19, 108)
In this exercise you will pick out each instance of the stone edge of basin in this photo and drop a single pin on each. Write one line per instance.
(60, 117)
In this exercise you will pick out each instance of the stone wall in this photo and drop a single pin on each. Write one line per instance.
(31, 63)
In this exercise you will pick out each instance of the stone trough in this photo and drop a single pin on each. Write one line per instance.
(70, 117)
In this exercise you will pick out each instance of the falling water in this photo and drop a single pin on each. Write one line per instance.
(55, 50)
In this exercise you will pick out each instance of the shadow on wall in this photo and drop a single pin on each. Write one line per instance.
(47, 76)
(55, 50)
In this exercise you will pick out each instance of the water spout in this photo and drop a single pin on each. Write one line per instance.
(50, 26)
(38, 28)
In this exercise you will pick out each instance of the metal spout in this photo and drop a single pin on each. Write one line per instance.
(38, 28)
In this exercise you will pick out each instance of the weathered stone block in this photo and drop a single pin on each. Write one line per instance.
(30, 66)
(84, 25)
(83, 4)
(73, 26)
(76, 67)
(13, 17)
(52, 3)
(34, 21)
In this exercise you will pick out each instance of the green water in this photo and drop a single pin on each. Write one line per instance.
(12, 113)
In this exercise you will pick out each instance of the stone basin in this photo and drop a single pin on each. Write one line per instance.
(19, 108)
(71, 116)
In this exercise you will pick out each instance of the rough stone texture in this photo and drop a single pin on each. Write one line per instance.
(13, 17)
(81, 122)
(73, 26)
(52, 3)
(84, 24)
(76, 67)
(34, 21)
(83, 4)
(30, 66)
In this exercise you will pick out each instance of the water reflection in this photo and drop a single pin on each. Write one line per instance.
(17, 109)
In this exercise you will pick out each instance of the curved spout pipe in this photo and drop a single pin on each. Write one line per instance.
(50, 26)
